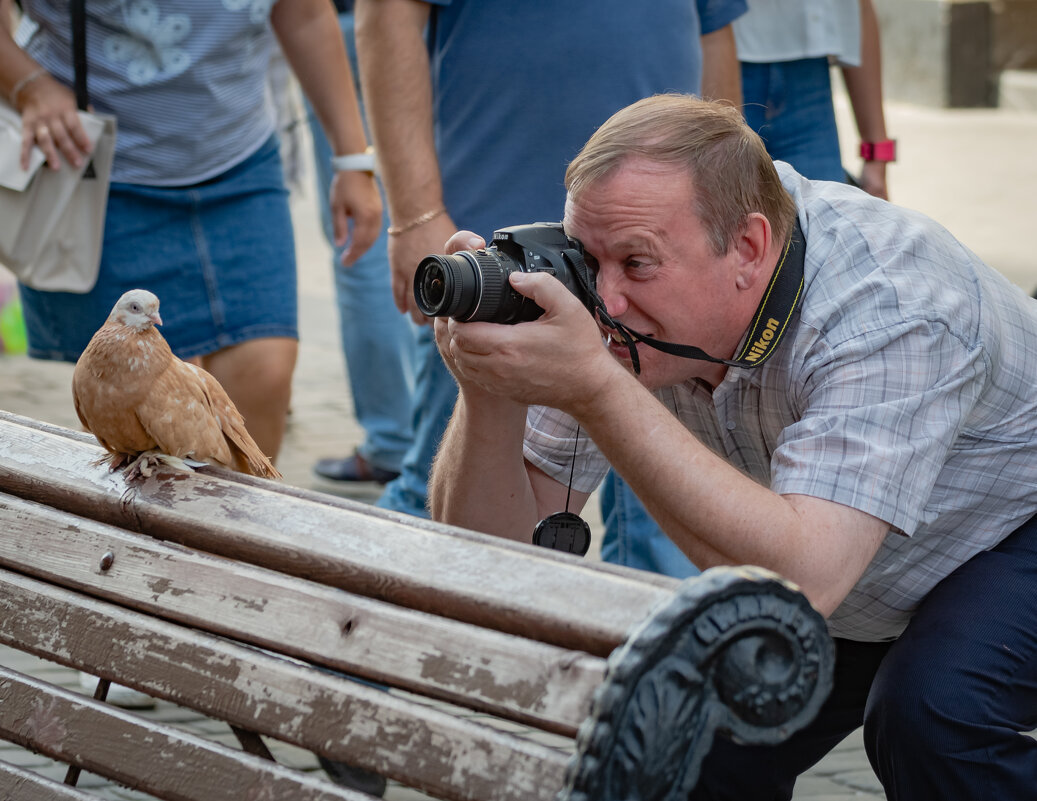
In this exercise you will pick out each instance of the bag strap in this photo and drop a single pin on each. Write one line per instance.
(78, 10)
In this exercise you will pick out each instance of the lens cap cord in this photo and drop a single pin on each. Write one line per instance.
(565, 531)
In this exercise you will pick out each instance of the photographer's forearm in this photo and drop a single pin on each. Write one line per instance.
(397, 90)
(718, 515)
(479, 480)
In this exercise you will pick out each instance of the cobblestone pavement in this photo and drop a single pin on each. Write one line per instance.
(968, 169)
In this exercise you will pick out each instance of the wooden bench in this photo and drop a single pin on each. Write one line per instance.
(246, 600)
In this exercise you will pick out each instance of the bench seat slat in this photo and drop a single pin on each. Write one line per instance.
(526, 681)
(448, 756)
(450, 572)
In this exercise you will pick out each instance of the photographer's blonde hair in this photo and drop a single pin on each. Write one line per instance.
(731, 171)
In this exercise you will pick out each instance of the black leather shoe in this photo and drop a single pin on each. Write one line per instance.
(353, 468)
(345, 775)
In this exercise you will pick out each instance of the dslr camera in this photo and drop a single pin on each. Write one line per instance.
(472, 286)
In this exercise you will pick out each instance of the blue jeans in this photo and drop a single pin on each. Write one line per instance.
(632, 537)
(377, 340)
(790, 105)
(434, 398)
(943, 706)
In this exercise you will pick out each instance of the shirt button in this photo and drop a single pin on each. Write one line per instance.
(731, 426)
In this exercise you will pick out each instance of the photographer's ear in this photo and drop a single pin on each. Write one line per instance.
(464, 240)
(752, 251)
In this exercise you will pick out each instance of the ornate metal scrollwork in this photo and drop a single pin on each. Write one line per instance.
(739, 650)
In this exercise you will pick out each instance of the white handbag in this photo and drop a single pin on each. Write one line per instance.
(52, 222)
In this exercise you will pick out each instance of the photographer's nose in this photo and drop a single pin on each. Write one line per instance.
(607, 289)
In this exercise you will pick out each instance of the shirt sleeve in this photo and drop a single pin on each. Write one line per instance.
(715, 14)
(555, 444)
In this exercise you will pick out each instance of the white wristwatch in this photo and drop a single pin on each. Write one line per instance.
(356, 162)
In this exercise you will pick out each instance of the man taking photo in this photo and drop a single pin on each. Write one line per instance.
(865, 425)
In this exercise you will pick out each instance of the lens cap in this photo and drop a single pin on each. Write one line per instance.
(563, 531)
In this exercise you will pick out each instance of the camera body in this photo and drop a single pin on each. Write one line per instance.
(473, 285)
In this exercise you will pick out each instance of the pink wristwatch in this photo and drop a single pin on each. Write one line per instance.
(879, 151)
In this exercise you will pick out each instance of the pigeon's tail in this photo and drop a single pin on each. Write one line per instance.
(248, 458)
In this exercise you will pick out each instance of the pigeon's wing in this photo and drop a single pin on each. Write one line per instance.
(178, 414)
(248, 456)
(190, 414)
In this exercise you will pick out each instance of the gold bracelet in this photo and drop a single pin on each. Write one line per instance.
(32, 76)
(421, 219)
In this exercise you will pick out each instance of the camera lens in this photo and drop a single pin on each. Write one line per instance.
(433, 286)
(471, 286)
(447, 286)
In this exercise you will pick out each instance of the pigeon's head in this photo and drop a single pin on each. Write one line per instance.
(138, 309)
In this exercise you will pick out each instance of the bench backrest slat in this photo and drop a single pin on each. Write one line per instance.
(449, 572)
(523, 680)
(449, 756)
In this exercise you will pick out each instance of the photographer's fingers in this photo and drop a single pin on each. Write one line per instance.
(464, 240)
(546, 291)
(444, 331)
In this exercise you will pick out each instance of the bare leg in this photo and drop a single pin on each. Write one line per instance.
(257, 376)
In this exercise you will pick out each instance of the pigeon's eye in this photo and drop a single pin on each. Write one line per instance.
(135, 308)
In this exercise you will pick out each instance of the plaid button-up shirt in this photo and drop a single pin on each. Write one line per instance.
(905, 389)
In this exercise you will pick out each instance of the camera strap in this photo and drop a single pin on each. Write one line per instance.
(769, 324)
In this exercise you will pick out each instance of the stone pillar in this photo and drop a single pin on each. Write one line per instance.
(952, 53)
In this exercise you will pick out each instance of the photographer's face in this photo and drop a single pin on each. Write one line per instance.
(657, 273)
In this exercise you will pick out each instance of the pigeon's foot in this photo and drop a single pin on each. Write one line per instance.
(113, 460)
(146, 462)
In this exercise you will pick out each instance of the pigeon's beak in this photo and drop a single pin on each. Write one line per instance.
(156, 318)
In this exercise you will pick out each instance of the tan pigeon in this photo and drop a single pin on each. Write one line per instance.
(145, 405)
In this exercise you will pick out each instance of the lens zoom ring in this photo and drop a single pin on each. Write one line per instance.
(494, 287)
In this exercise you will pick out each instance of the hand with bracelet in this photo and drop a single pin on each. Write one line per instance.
(50, 120)
(411, 240)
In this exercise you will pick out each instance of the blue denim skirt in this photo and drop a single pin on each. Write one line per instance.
(220, 256)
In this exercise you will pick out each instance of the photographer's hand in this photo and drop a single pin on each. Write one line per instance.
(558, 360)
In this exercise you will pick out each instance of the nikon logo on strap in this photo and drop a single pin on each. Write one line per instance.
(766, 340)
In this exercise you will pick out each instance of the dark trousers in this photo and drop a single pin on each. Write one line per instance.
(945, 707)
